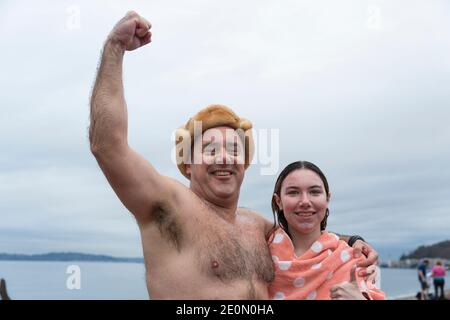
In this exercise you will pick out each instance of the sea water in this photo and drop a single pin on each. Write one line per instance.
(106, 280)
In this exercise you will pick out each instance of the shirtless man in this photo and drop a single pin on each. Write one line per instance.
(197, 244)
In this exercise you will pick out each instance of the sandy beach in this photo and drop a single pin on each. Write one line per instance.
(447, 296)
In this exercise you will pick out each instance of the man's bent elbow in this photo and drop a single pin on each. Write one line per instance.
(99, 151)
(101, 143)
(93, 144)
(107, 149)
(95, 150)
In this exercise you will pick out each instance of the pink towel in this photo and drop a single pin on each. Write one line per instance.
(327, 263)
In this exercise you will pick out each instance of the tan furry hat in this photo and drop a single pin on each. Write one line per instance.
(212, 116)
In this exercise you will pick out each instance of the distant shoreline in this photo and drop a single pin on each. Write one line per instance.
(67, 257)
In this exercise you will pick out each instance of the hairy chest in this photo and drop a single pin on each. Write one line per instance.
(233, 251)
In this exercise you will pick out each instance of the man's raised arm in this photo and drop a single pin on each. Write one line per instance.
(138, 185)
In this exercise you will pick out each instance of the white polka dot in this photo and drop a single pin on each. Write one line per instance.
(330, 252)
(278, 238)
(363, 285)
(279, 296)
(317, 246)
(299, 282)
(316, 266)
(330, 275)
(312, 295)
(284, 265)
(275, 258)
(345, 256)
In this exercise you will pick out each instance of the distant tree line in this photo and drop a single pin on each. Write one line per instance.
(66, 256)
(439, 250)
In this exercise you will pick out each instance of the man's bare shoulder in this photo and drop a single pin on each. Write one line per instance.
(183, 195)
(264, 223)
(176, 185)
(251, 213)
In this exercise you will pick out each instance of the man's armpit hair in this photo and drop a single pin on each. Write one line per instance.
(167, 224)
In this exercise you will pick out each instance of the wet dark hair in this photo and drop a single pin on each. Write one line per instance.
(279, 214)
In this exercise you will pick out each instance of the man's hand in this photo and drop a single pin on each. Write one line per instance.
(347, 290)
(360, 247)
(132, 32)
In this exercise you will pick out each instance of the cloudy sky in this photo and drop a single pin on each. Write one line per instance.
(360, 88)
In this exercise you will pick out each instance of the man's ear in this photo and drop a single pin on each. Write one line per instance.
(278, 201)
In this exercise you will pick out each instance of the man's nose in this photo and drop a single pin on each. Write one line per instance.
(222, 157)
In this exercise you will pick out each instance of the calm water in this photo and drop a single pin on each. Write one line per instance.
(48, 280)
(99, 280)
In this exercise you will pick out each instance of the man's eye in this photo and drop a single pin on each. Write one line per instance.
(231, 151)
(209, 151)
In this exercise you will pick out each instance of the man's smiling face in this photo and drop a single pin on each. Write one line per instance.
(218, 164)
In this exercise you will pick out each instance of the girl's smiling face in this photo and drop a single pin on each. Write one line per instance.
(303, 200)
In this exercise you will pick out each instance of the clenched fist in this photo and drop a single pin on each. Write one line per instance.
(131, 32)
(347, 290)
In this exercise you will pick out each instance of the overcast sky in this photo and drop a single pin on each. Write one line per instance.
(360, 88)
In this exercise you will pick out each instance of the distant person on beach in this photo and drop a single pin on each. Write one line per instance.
(3, 292)
(438, 275)
(422, 270)
(197, 243)
(310, 262)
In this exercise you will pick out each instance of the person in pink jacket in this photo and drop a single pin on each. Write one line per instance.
(438, 274)
(311, 263)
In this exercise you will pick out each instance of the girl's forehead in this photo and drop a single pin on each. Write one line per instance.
(302, 177)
